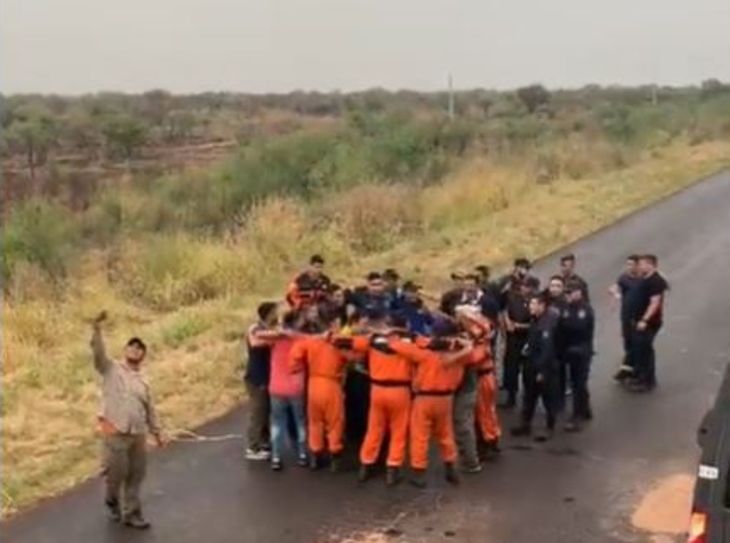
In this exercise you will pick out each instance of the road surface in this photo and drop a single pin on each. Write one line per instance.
(579, 488)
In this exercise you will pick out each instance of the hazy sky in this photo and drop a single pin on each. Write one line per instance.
(75, 46)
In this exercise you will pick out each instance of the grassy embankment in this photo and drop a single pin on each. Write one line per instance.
(482, 213)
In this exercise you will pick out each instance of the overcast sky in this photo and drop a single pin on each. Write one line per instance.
(76, 46)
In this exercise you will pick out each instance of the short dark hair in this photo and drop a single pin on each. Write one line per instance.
(522, 263)
(483, 269)
(137, 342)
(570, 257)
(532, 282)
(540, 297)
(650, 258)
(457, 276)
(557, 277)
(265, 309)
(471, 277)
(374, 276)
(572, 286)
(316, 259)
(633, 258)
(391, 273)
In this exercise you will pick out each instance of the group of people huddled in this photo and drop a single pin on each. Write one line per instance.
(386, 362)
(388, 359)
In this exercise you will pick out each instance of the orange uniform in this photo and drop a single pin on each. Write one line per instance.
(390, 400)
(486, 408)
(325, 398)
(431, 414)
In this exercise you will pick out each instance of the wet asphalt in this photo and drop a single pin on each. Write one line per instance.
(578, 488)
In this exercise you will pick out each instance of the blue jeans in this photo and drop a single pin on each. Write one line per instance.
(281, 406)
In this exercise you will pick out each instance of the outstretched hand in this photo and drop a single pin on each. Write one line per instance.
(100, 318)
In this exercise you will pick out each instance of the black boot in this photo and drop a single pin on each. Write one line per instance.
(392, 476)
(335, 463)
(418, 478)
(492, 450)
(112, 506)
(314, 462)
(510, 402)
(365, 472)
(522, 430)
(451, 475)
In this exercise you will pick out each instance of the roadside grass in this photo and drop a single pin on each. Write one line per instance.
(191, 297)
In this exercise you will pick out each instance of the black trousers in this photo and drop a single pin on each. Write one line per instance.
(514, 361)
(643, 357)
(626, 332)
(544, 391)
(579, 367)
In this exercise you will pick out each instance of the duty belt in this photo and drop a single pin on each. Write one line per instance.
(390, 383)
(434, 392)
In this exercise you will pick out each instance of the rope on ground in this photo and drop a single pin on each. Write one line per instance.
(190, 436)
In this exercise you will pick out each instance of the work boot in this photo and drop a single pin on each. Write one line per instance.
(112, 506)
(418, 478)
(510, 402)
(335, 463)
(522, 430)
(573, 426)
(451, 475)
(392, 476)
(544, 435)
(314, 462)
(136, 520)
(365, 473)
(491, 450)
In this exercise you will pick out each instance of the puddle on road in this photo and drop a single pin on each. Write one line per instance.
(665, 508)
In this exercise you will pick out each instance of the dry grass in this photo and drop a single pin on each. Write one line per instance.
(191, 298)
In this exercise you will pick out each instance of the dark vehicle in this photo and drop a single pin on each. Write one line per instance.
(710, 521)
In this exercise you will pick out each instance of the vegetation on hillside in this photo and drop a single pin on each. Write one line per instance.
(181, 257)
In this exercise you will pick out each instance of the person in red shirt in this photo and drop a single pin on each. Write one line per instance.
(325, 367)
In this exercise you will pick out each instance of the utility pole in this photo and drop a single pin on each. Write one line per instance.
(451, 98)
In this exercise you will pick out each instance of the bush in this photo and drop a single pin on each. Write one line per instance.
(41, 233)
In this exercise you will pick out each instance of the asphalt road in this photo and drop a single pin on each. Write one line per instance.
(578, 488)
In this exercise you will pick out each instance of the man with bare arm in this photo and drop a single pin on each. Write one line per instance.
(127, 415)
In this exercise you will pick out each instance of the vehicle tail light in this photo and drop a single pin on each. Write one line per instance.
(697, 528)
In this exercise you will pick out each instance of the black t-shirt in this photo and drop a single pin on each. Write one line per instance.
(627, 287)
(518, 308)
(648, 287)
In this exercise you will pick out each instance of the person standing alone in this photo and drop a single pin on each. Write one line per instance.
(127, 415)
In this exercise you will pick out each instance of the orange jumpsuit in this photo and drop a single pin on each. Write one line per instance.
(431, 414)
(325, 397)
(486, 408)
(390, 401)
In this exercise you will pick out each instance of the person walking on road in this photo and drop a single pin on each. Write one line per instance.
(127, 415)
(578, 324)
(624, 290)
(647, 320)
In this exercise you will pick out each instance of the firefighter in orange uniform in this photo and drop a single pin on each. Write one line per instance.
(325, 366)
(438, 373)
(390, 400)
(488, 427)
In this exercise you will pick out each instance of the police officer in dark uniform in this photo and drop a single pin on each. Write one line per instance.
(541, 369)
(577, 328)
(516, 323)
(556, 304)
(567, 269)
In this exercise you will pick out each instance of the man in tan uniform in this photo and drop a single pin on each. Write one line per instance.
(127, 414)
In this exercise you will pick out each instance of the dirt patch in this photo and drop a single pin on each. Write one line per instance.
(665, 508)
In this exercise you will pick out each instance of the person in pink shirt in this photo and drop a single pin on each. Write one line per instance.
(286, 390)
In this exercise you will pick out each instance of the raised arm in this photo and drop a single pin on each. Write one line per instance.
(102, 363)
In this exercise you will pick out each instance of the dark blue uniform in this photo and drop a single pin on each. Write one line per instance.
(627, 285)
(577, 326)
(541, 372)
